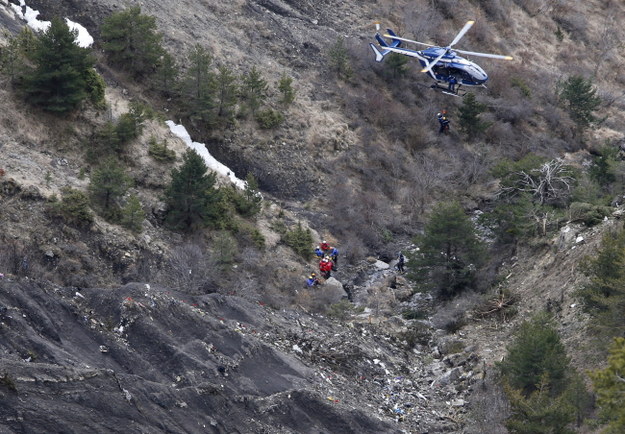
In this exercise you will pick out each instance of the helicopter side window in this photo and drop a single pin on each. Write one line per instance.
(441, 70)
(464, 75)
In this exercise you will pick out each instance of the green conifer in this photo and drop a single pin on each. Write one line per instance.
(191, 196)
(131, 41)
(133, 215)
(226, 93)
(108, 184)
(254, 89)
(450, 251)
(285, 86)
(58, 82)
(609, 383)
(199, 86)
(469, 116)
(579, 98)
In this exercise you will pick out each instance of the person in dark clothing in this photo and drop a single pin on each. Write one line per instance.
(334, 256)
(400, 262)
(452, 84)
(444, 123)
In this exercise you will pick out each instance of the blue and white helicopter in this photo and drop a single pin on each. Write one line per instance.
(442, 63)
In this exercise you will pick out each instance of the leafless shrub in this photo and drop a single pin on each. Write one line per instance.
(559, 124)
(18, 259)
(453, 316)
(502, 133)
(514, 113)
(488, 405)
(424, 178)
(447, 8)
(574, 23)
(500, 306)
(533, 7)
(494, 9)
(352, 249)
(422, 24)
(191, 268)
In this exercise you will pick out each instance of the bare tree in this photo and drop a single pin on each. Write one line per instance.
(191, 269)
(548, 184)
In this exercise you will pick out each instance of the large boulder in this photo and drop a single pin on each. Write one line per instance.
(332, 291)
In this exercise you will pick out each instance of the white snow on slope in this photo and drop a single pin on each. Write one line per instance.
(83, 39)
(200, 148)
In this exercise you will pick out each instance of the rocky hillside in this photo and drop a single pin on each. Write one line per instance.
(100, 331)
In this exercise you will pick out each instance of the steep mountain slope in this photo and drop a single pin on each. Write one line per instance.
(84, 349)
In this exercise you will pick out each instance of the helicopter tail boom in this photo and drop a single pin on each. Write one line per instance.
(385, 48)
(378, 55)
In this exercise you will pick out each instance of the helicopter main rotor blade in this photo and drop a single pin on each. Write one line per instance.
(491, 56)
(464, 30)
(432, 63)
(409, 40)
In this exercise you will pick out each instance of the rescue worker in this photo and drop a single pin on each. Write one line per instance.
(334, 256)
(452, 84)
(324, 246)
(318, 252)
(400, 262)
(312, 280)
(325, 267)
(444, 123)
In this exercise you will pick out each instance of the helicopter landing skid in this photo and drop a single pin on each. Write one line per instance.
(458, 93)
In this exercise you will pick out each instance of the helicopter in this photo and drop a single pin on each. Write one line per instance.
(442, 63)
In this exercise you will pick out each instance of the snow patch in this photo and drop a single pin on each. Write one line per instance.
(180, 131)
(28, 14)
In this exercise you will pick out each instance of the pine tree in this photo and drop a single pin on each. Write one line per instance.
(59, 81)
(604, 294)
(167, 74)
(450, 251)
(339, 60)
(199, 86)
(609, 384)
(14, 55)
(73, 207)
(131, 42)
(254, 90)
(540, 412)
(579, 98)
(108, 184)
(469, 116)
(226, 93)
(191, 196)
(250, 201)
(133, 215)
(536, 354)
(285, 86)
(397, 63)
(604, 165)
(300, 240)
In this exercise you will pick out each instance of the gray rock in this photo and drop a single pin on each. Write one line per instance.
(332, 291)
(381, 265)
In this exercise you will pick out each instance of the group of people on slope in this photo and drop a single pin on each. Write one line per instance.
(328, 261)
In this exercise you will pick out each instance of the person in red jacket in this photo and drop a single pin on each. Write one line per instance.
(325, 267)
(324, 246)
